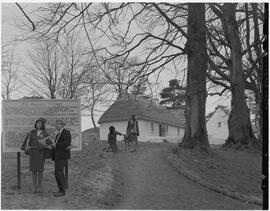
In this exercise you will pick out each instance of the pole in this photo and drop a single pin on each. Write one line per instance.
(265, 112)
(19, 170)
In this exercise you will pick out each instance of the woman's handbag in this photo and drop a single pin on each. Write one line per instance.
(25, 146)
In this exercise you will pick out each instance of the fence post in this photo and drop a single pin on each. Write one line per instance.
(19, 170)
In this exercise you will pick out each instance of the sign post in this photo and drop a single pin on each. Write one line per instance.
(19, 117)
(19, 170)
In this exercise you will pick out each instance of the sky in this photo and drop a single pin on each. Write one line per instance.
(9, 31)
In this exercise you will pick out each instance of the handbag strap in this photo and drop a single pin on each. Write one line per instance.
(28, 140)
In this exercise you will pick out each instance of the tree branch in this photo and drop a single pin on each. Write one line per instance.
(33, 25)
(169, 20)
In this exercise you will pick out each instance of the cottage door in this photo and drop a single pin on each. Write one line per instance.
(162, 130)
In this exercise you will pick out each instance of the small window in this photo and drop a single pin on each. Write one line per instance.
(178, 131)
(152, 126)
(219, 124)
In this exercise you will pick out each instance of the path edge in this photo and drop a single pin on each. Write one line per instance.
(177, 163)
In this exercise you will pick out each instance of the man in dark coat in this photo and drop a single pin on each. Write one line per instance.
(61, 154)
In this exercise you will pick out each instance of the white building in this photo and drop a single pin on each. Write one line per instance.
(155, 122)
(217, 126)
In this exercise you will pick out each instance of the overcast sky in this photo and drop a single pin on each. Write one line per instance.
(9, 31)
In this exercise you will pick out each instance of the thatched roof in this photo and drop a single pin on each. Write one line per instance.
(144, 109)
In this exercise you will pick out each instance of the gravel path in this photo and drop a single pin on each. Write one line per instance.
(150, 182)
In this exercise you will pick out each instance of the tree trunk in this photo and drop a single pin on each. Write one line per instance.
(92, 107)
(258, 116)
(259, 69)
(92, 118)
(240, 130)
(195, 131)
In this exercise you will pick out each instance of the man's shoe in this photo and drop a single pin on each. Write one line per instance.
(59, 194)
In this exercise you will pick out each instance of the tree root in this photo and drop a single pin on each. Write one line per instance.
(251, 144)
(204, 149)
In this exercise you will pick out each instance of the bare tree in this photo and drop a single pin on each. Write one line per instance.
(94, 91)
(10, 82)
(240, 130)
(122, 74)
(122, 28)
(195, 130)
(159, 37)
(249, 21)
(140, 87)
(46, 70)
(75, 66)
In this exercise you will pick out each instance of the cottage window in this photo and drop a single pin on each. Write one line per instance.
(152, 126)
(219, 124)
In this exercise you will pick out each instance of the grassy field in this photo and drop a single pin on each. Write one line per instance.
(237, 171)
(91, 181)
(95, 181)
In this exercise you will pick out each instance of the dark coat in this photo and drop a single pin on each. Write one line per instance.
(33, 140)
(37, 152)
(112, 140)
(62, 148)
(112, 137)
(133, 127)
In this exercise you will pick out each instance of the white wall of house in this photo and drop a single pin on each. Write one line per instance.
(149, 131)
(148, 128)
(217, 127)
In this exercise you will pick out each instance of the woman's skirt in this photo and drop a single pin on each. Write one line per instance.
(37, 160)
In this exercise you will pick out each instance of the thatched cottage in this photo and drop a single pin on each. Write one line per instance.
(155, 122)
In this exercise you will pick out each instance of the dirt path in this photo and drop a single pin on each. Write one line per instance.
(150, 182)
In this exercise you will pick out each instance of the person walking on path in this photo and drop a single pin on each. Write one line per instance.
(33, 146)
(133, 131)
(61, 154)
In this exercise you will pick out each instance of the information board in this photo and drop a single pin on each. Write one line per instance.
(19, 117)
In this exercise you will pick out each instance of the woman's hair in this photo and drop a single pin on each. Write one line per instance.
(42, 124)
(133, 116)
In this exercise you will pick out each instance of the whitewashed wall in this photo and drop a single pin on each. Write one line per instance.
(217, 135)
(146, 128)
(146, 132)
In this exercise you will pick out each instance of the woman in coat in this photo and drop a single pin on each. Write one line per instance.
(35, 145)
(133, 131)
